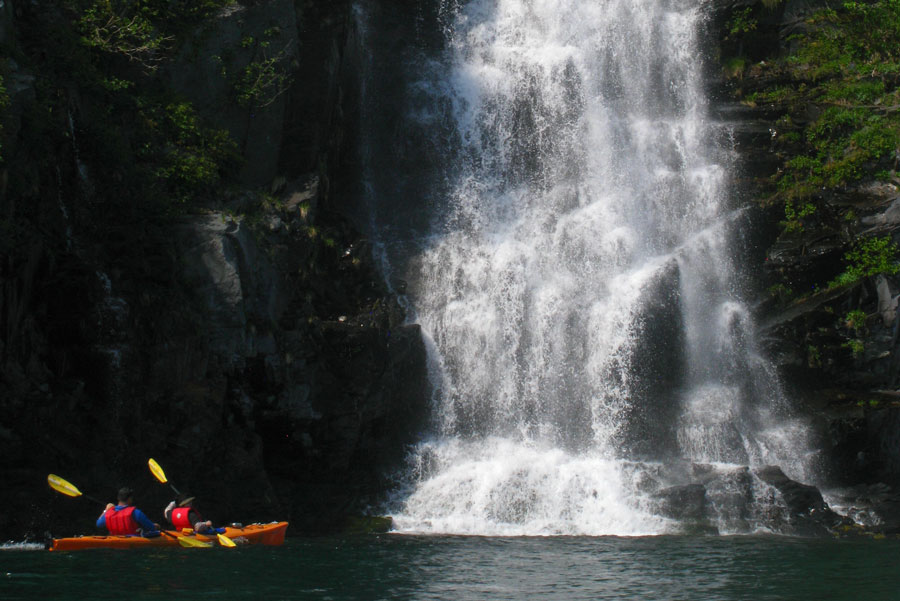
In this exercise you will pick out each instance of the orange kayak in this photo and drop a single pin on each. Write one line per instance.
(251, 534)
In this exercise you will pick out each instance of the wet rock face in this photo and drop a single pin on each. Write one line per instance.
(877, 504)
(807, 512)
(684, 503)
(836, 347)
(251, 348)
(294, 353)
(741, 500)
(233, 282)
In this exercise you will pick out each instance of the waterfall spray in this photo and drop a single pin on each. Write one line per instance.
(577, 288)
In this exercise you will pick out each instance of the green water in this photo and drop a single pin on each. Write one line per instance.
(469, 568)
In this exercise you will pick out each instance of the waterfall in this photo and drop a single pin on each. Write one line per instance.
(577, 281)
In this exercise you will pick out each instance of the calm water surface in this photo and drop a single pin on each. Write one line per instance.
(469, 568)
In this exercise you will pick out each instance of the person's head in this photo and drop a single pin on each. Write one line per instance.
(125, 496)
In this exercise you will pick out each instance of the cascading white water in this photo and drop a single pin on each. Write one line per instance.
(577, 290)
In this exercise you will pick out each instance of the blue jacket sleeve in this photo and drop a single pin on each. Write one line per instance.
(101, 521)
(144, 521)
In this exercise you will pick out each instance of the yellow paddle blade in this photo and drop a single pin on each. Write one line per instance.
(60, 485)
(157, 471)
(190, 541)
(225, 541)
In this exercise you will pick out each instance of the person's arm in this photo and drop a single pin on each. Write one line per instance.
(167, 512)
(200, 525)
(144, 522)
(101, 521)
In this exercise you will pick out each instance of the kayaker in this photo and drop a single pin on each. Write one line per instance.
(182, 513)
(124, 519)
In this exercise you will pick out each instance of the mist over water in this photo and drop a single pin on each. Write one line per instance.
(575, 279)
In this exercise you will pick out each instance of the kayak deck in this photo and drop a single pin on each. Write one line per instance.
(252, 534)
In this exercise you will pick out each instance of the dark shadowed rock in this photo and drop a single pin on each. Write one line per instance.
(800, 498)
(808, 514)
(687, 503)
(368, 524)
(877, 506)
(233, 282)
(257, 39)
(245, 340)
(7, 24)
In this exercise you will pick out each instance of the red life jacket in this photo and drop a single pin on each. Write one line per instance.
(120, 522)
(181, 519)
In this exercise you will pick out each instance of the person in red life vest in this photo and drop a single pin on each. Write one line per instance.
(182, 513)
(124, 519)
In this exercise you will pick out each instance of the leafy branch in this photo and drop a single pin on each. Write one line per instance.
(133, 37)
(262, 81)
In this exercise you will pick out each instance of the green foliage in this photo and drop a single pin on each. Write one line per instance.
(872, 403)
(149, 149)
(847, 62)
(813, 357)
(121, 28)
(187, 158)
(843, 141)
(264, 78)
(798, 183)
(114, 84)
(158, 148)
(863, 91)
(856, 347)
(868, 257)
(741, 22)
(794, 213)
(261, 82)
(855, 320)
(270, 201)
(781, 292)
(834, 122)
(860, 39)
(734, 67)
(143, 31)
(774, 95)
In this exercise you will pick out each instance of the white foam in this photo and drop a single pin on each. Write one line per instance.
(504, 487)
(21, 546)
(589, 184)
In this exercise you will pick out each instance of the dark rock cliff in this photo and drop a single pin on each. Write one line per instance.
(241, 337)
(825, 199)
